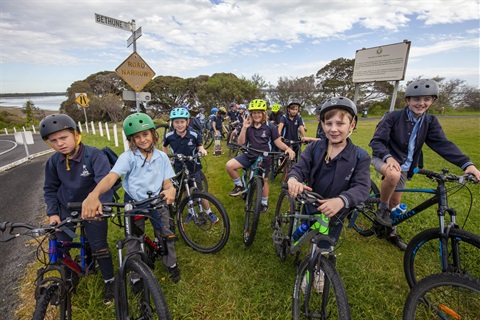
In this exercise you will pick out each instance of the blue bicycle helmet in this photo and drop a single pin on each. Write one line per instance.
(179, 113)
(214, 110)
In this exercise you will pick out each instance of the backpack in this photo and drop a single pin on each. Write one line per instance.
(112, 158)
(208, 122)
(195, 124)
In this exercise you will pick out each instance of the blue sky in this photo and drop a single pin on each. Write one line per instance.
(47, 45)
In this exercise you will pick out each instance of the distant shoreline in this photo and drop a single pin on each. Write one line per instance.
(37, 94)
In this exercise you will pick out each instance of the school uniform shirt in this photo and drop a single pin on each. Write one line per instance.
(186, 145)
(141, 176)
(218, 122)
(261, 138)
(392, 137)
(275, 117)
(346, 176)
(290, 127)
(62, 186)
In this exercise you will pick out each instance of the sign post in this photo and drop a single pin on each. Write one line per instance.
(82, 101)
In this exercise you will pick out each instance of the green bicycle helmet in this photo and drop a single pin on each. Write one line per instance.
(179, 113)
(54, 123)
(422, 87)
(276, 107)
(137, 122)
(257, 105)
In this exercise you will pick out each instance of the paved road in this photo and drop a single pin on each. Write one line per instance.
(12, 154)
(22, 201)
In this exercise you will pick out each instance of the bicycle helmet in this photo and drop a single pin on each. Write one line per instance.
(338, 102)
(222, 110)
(54, 123)
(293, 102)
(201, 110)
(422, 87)
(179, 113)
(257, 105)
(276, 107)
(214, 110)
(137, 122)
(242, 106)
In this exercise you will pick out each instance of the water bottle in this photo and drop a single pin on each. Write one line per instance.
(398, 210)
(300, 231)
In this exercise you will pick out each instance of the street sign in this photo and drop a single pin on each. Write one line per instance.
(131, 96)
(135, 71)
(111, 22)
(137, 34)
(82, 99)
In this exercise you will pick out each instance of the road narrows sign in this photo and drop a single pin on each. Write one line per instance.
(135, 71)
(82, 100)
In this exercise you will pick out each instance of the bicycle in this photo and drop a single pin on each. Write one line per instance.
(202, 231)
(318, 290)
(252, 179)
(426, 248)
(138, 295)
(232, 140)
(444, 296)
(282, 163)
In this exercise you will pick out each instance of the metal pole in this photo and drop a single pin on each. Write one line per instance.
(394, 96)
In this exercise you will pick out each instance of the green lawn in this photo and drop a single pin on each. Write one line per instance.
(252, 283)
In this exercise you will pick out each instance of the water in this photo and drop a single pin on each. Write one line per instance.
(45, 103)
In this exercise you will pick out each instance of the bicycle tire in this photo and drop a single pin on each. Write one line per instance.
(422, 254)
(282, 225)
(207, 139)
(145, 301)
(162, 130)
(331, 302)
(252, 210)
(203, 181)
(232, 152)
(201, 234)
(47, 298)
(444, 296)
(365, 220)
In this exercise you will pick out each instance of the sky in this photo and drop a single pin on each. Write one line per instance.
(45, 46)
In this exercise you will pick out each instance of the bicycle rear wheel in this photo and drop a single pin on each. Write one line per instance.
(201, 231)
(252, 210)
(143, 299)
(444, 296)
(282, 224)
(53, 296)
(311, 299)
(422, 255)
(365, 216)
(207, 139)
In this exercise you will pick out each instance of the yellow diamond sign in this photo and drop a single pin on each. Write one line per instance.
(82, 100)
(135, 71)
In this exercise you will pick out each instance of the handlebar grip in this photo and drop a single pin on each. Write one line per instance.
(74, 206)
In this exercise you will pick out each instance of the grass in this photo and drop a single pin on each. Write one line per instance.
(252, 283)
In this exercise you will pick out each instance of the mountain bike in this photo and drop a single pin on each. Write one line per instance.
(252, 179)
(138, 295)
(457, 249)
(232, 140)
(203, 230)
(281, 164)
(318, 290)
(444, 295)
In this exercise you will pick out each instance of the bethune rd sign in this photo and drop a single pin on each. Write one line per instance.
(135, 71)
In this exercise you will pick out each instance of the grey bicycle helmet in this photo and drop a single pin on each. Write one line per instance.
(54, 123)
(293, 102)
(422, 87)
(338, 102)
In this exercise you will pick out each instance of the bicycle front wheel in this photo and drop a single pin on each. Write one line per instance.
(252, 210)
(282, 224)
(203, 230)
(320, 295)
(53, 296)
(207, 139)
(138, 294)
(444, 296)
(422, 256)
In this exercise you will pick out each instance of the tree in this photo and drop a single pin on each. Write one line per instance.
(335, 79)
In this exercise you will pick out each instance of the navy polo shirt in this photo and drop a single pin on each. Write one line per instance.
(262, 138)
(186, 145)
(290, 127)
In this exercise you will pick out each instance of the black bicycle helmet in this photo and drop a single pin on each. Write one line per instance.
(54, 123)
(338, 102)
(422, 87)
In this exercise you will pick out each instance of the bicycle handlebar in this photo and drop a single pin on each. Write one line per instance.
(445, 176)
(155, 202)
(306, 197)
(184, 158)
(245, 148)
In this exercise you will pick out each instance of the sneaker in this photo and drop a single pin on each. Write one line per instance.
(238, 190)
(189, 218)
(213, 217)
(383, 217)
(397, 241)
(318, 281)
(109, 292)
(264, 208)
(174, 273)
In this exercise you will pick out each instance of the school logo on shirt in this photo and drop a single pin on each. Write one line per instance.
(190, 142)
(264, 134)
(85, 172)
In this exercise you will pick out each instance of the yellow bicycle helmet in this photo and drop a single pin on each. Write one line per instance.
(276, 107)
(222, 110)
(257, 105)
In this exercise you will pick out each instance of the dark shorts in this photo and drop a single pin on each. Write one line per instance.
(247, 160)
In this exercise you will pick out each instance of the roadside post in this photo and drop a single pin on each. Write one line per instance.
(82, 101)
